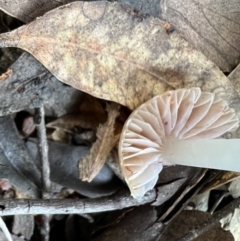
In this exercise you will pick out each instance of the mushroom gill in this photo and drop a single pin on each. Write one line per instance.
(162, 130)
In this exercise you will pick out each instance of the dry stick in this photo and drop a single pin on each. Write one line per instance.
(46, 183)
(202, 228)
(71, 206)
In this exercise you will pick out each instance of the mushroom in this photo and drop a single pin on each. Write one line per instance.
(177, 127)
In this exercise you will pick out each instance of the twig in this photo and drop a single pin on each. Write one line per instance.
(18, 160)
(46, 182)
(45, 231)
(43, 147)
(71, 206)
(212, 222)
(5, 230)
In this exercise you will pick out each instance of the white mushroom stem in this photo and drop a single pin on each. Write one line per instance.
(222, 154)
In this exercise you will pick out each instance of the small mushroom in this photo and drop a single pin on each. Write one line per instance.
(177, 127)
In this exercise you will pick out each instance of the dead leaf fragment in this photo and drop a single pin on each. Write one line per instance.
(92, 104)
(63, 162)
(90, 165)
(27, 10)
(188, 220)
(78, 128)
(234, 77)
(234, 188)
(221, 179)
(137, 225)
(210, 26)
(117, 57)
(86, 120)
(23, 225)
(29, 81)
(5, 75)
(231, 223)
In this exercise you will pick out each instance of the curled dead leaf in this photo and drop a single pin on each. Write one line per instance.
(91, 164)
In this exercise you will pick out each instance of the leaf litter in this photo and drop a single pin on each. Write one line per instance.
(118, 54)
(209, 26)
(29, 10)
(106, 50)
(90, 165)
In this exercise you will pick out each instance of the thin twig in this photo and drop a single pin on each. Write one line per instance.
(46, 182)
(5, 230)
(43, 146)
(45, 231)
(71, 206)
(212, 222)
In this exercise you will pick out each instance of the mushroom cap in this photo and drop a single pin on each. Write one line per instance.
(181, 114)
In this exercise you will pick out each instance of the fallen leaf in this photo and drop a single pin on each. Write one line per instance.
(234, 188)
(231, 223)
(137, 225)
(85, 120)
(210, 26)
(221, 179)
(18, 166)
(174, 207)
(15, 238)
(150, 7)
(77, 128)
(112, 53)
(63, 164)
(30, 85)
(23, 225)
(186, 221)
(165, 192)
(234, 77)
(28, 10)
(61, 136)
(200, 202)
(91, 164)
(5, 75)
(113, 163)
(87, 137)
(92, 104)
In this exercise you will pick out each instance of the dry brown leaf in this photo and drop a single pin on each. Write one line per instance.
(90, 165)
(81, 126)
(115, 53)
(61, 136)
(221, 179)
(92, 104)
(210, 26)
(85, 120)
(27, 10)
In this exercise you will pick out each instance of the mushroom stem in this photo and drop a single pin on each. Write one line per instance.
(222, 154)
